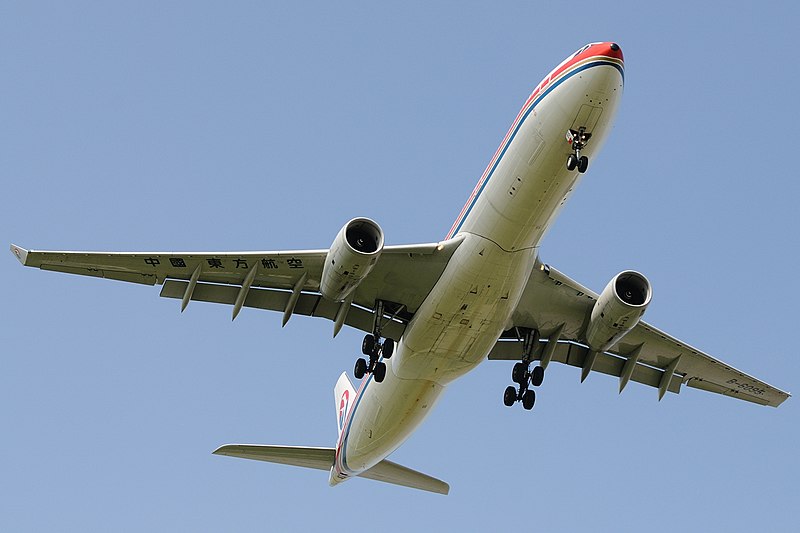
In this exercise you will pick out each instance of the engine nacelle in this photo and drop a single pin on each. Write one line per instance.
(618, 309)
(354, 252)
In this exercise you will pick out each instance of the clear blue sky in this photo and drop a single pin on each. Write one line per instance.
(207, 126)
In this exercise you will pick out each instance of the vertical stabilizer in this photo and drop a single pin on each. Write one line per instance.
(343, 396)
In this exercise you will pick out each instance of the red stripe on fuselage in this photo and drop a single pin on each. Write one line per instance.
(591, 51)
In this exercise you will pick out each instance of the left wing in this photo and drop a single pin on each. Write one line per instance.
(559, 308)
(286, 281)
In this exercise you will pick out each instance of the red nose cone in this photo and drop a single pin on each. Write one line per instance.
(612, 50)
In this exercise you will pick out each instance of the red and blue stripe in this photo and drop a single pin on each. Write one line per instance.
(590, 56)
(593, 55)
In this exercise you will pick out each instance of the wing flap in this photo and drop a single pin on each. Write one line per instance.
(702, 371)
(574, 354)
(313, 305)
(402, 277)
(552, 301)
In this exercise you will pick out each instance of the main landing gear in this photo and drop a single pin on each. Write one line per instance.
(373, 347)
(578, 140)
(522, 375)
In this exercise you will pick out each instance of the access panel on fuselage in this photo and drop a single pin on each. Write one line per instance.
(587, 118)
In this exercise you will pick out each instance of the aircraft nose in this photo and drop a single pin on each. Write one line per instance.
(612, 50)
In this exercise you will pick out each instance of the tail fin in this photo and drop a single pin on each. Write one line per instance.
(343, 395)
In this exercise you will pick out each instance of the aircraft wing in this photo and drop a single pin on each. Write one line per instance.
(284, 281)
(559, 308)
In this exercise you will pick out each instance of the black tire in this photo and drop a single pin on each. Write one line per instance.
(388, 348)
(518, 373)
(583, 164)
(510, 396)
(379, 372)
(537, 376)
(528, 399)
(361, 368)
(368, 344)
(572, 162)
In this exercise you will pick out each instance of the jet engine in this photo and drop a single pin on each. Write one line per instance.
(618, 309)
(354, 252)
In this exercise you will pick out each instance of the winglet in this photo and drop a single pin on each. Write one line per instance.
(21, 253)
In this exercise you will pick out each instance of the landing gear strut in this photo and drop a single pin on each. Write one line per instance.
(374, 348)
(523, 376)
(577, 140)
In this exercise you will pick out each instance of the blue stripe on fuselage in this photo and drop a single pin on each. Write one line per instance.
(522, 121)
(360, 396)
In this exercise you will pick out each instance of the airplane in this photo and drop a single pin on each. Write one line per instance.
(433, 312)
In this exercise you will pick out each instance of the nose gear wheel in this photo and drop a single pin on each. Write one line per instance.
(577, 140)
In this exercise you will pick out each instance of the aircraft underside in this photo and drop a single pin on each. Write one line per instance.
(470, 306)
(433, 312)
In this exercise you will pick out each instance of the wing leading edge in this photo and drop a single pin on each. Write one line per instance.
(552, 303)
(559, 308)
(286, 281)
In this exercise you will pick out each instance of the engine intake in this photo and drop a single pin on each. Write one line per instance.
(354, 252)
(618, 309)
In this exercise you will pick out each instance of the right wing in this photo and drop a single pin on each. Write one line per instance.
(559, 308)
(402, 277)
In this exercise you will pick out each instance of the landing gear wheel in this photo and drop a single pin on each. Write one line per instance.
(583, 164)
(537, 376)
(368, 345)
(577, 140)
(528, 399)
(375, 346)
(361, 368)
(510, 396)
(518, 373)
(379, 372)
(388, 348)
(572, 162)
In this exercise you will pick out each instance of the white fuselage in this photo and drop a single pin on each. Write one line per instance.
(505, 218)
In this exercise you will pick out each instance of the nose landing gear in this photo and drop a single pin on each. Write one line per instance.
(577, 140)
(522, 375)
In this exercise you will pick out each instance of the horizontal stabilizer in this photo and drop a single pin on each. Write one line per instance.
(390, 472)
(322, 459)
(305, 456)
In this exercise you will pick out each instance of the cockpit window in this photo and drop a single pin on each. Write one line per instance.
(581, 50)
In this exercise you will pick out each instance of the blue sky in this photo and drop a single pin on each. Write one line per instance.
(203, 126)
